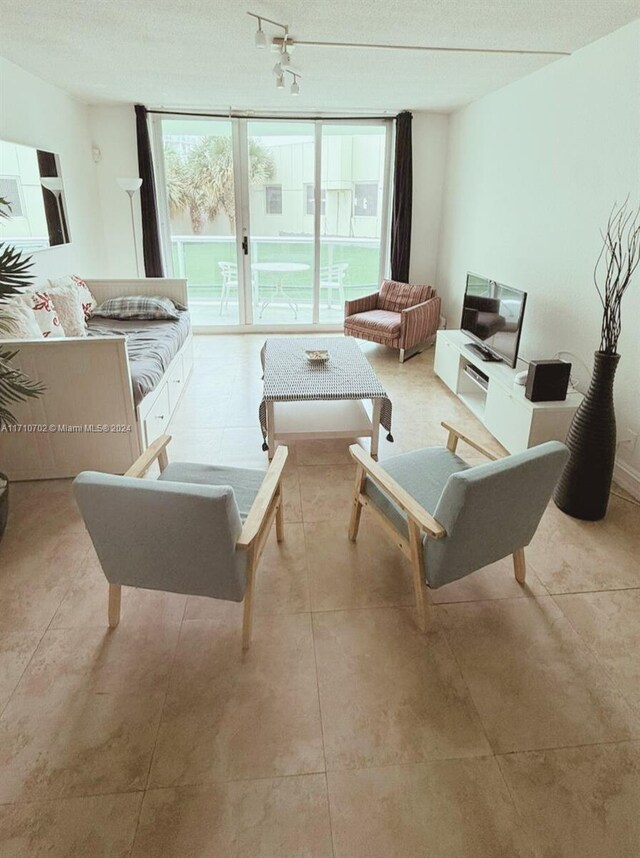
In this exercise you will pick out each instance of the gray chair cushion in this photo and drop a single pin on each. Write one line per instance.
(422, 473)
(163, 535)
(244, 482)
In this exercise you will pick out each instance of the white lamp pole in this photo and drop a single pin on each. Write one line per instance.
(132, 186)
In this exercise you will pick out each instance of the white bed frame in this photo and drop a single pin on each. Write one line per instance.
(87, 419)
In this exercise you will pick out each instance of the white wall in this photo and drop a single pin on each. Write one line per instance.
(533, 171)
(429, 133)
(113, 130)
(38, 114)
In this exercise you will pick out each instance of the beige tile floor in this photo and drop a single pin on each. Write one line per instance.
(511, 729)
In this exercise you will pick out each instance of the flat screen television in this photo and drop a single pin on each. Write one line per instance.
(492, 316)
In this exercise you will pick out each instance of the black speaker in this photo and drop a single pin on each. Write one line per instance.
(547, 380)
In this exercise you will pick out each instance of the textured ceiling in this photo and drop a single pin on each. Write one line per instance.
(200, 53)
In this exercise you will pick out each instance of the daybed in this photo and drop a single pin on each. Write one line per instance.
(108, 395)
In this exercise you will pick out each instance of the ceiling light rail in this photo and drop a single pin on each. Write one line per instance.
(277, 40)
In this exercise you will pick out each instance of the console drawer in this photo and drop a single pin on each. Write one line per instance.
(446, 362)
(157, 419)
(175, 383)
(507, 419)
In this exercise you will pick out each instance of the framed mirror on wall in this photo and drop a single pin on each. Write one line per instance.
(31, 182)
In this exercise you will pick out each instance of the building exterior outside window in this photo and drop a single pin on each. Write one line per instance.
(273, 197)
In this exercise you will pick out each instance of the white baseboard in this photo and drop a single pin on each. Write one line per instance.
(627, 478)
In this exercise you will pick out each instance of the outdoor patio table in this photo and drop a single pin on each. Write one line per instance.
(280, 268)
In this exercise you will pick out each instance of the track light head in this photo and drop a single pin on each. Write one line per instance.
(261, 39)
(295, 86)
(285, 58)
(280, 81)
(277, 69)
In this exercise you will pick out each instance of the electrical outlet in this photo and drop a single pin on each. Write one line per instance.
(627, 438)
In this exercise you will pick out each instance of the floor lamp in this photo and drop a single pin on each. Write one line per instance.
(54, 185)
(132, 186)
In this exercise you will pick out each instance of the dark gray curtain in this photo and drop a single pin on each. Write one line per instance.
(402, 200)
(57, 228)
(148, 201)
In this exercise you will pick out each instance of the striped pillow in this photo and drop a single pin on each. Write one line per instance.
(137, 307)
(396, 297)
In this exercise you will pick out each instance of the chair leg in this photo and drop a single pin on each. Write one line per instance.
(417, 567)
(280, 517)
(519, 565)
(115, 594)
(401, 357)
(247, 614)
(356, 508)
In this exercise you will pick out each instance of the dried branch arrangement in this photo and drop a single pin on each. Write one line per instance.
(618, 259)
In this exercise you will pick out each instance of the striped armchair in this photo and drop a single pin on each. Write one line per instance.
(399, 316)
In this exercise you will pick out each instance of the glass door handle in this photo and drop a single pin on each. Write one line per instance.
(245, 245)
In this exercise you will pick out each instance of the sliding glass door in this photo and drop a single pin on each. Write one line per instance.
(280, 166)
(273, 222)
(198, 192)
(353, 214)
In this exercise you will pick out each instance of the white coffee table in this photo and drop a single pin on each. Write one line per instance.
(342, 398)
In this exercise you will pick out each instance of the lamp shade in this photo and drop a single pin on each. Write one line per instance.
(52, 183)
(130, 185)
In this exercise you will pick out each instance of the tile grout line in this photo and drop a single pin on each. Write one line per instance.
(41, 638)
(155, 742)
(324, 753)
(585, 642)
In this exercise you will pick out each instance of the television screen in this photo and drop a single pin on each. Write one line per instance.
(492, 316)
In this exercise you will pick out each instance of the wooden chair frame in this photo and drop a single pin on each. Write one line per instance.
(418, 519)
(267, 506)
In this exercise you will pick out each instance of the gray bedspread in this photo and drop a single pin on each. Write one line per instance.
(151, 346)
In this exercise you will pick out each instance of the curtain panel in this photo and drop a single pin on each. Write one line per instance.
(148, 200)
(402, 200)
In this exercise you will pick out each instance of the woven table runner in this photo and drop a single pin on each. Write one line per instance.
(289, 377)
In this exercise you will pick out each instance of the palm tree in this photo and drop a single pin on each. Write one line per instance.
(15, 274)
(203, 182)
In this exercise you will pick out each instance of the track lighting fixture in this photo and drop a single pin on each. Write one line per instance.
(285, 58)
(261, 39)
(284, 45)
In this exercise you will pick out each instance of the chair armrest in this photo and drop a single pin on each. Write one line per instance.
(419, 322)
(404, 500)
(157, 450)
(456, 435)
(361, 305)
(262, 504)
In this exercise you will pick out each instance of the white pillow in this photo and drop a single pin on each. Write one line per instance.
(89, 303)
(67, 303)
(20, 321)
(42, 305)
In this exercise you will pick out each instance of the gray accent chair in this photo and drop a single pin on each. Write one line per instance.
(197, 529)
(450, 518)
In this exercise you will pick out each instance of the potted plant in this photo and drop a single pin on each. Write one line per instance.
(15, 386)
(585, 484)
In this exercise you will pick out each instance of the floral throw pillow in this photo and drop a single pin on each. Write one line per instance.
(89, 303)
(17, 321)
(67, 302)
(43, 309)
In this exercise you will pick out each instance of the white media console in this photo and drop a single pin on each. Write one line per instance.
(499, 403)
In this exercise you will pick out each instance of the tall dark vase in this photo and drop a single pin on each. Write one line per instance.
(583, 488)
